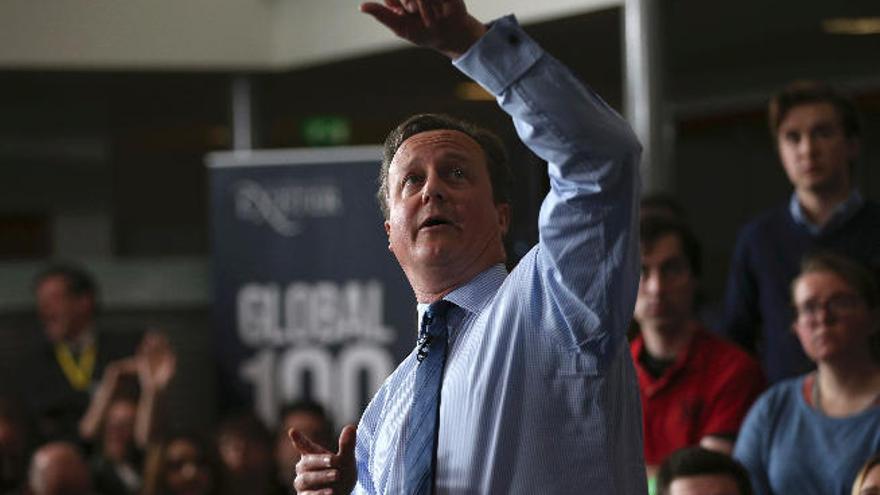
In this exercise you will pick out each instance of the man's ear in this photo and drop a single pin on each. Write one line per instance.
(503, 217)
(388, 233)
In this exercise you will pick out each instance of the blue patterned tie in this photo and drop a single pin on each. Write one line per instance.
(424, 418)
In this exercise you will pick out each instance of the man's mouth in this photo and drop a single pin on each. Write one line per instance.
(434, 222)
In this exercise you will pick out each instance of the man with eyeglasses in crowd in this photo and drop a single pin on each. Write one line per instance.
(696, 387)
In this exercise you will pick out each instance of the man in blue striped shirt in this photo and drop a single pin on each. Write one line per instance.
(539, 393)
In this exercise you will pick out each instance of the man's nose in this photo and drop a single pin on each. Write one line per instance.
(434, 188)
(652, 282)
(807, 145)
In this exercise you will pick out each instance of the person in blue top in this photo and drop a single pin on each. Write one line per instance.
(538, 390)
(811, 434)
(816, 130)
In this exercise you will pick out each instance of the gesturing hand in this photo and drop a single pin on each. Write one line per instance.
(156, 361)
(443, 25)
(320, 471)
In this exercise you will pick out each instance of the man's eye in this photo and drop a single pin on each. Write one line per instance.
(792, 137)
(410, 179)
(458, 173)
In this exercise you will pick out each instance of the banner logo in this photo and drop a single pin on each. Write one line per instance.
(283, 208)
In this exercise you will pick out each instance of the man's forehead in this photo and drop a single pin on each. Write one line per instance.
(668, 244)
(437, 142)
(811, 113)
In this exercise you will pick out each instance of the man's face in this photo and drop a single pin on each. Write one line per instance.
(704, 484)
(441, 212)
(814, 149)
(666, 289)
(62, 313)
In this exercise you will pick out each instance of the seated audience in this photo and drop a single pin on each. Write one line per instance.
(868, 480)
(696, 388)
(697, 471)
(245, 446)
(182, 464)
(308, 417)
(812, 433)
(58, 468)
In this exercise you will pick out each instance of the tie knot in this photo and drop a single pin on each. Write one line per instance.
(436, 310)
(433, 327)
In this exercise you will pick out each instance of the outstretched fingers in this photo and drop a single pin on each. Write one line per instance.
(389, 15)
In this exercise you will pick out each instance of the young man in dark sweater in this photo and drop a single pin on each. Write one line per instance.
(817, 137)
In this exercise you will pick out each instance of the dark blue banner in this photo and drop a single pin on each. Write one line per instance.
(308, 300)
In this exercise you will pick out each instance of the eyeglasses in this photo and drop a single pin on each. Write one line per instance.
(838, 305)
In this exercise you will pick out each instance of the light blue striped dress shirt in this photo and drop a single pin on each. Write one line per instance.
(539, 393)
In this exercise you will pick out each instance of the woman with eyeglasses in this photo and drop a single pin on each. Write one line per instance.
(812, 433)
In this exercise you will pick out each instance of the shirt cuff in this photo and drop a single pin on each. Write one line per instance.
(503, 54)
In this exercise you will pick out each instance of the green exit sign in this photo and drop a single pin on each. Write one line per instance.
(326, 130)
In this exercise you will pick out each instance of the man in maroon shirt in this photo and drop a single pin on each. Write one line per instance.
(696, 387)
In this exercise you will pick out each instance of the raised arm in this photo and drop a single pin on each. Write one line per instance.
(588, 251)
(90, 423)
(156, 364)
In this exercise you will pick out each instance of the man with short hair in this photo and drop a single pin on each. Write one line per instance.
(696, 387)
(816, 131)
(58, 468)
(71, 357)
(521, 382)
(697, 471)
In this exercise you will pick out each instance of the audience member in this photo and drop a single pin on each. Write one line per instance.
(810, 434)
(697, 471)
(182, 464)
(816, 131)
(73, 354)
(245, 447)
(151, 370)
(116, 464)
(695, 387)
(58, 468)
(867, 482)
(123, 414)
(308, 417)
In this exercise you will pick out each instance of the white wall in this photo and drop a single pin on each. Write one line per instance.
(211, 34)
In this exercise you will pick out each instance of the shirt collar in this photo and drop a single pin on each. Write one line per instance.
(474, 295)
(842, 212)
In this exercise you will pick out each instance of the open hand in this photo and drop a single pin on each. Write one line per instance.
(156, 361)
(443, 25)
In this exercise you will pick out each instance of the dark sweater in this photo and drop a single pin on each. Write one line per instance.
(766, 259)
